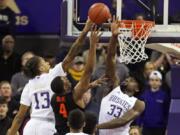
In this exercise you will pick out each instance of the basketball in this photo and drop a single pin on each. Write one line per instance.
(99, 13)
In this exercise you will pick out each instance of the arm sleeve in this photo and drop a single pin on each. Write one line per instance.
(25, 97)
(57, 71)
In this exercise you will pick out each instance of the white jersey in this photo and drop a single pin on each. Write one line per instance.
(37, 93)
(76, 134)
(113, 106)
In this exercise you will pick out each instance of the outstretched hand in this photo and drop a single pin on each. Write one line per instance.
(115, 27)
(102, 80)
(88, 25)
(95, 35)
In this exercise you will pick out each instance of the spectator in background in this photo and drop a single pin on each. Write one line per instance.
(76, 122)
(140, 17)
(148, 68)
(91, 122)
(154, 118)
(6, 92)
(143, 74)
(19, 79)
(5, 121)
(100, 54)
(7, 20)
(135, 130)
(10, 62)
(76, 71)
(172, 61)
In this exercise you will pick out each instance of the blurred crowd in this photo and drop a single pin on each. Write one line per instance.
(153, 75)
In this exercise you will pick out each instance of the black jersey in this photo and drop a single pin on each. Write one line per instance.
(62, 105)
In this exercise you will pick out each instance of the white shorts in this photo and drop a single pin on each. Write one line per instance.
(39, 127)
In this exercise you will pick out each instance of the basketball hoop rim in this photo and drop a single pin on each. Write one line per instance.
(137, 22)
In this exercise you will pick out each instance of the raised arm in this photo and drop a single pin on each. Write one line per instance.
(126, 118)
(110, 60)
(76, 47)
(83, 84)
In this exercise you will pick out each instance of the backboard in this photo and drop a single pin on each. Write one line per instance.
(166, 14)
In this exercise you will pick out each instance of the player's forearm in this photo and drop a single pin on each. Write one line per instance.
(15, 125)
(110, 61)
(116, 123)
(74, 50)
(91, 59)
(78, 43)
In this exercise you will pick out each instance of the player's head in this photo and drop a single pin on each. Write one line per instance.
(36, 66)
(60, 85)
(155, 80)
(76, 120)
(135, 130)
(3, 108)
(148, 68)
(91, 121)
(8, 43)
(130, 85)
(5, 89)
(25, 57)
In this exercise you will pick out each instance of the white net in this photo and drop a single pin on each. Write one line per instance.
(132, 42)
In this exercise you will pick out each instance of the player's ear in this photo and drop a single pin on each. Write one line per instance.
(41, 69)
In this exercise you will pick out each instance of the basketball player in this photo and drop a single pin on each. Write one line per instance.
(37, 93)
(118, 108)
(76, 122)
(64, 101)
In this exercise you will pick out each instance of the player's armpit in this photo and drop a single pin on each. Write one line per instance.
(126, 118)
(18, 120)
(76, 47)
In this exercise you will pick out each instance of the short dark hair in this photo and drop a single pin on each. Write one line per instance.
(31, 68)
(91, 121)
(3, 100)
(76, 119)
(57, 85)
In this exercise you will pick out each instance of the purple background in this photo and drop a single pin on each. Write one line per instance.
(44, 15)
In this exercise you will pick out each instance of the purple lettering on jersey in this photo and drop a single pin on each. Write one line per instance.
(45, 96)
(115, 111)
(120, 101)
(37, 101)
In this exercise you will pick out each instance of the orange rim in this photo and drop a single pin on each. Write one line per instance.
(138, 28)
(129, 23)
